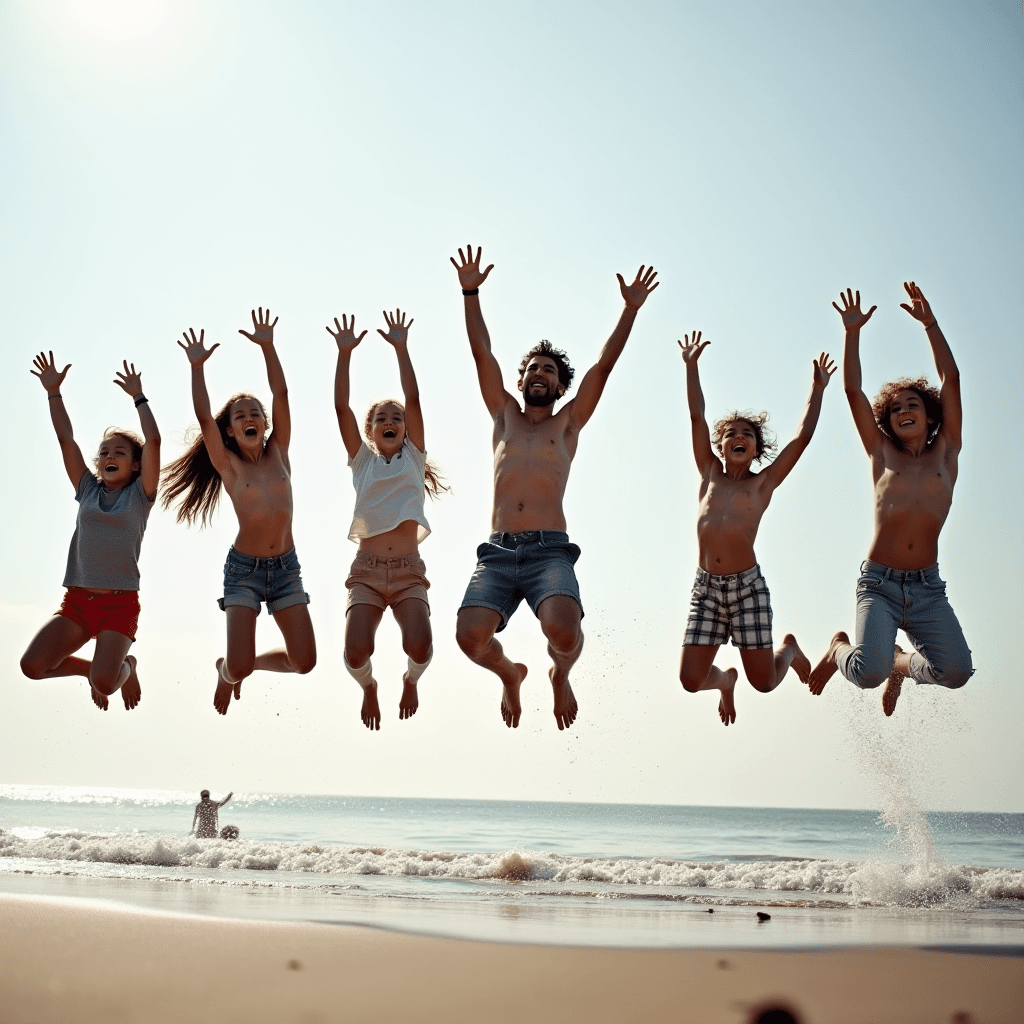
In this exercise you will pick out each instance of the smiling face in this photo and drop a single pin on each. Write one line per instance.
(738, 444)
(908, 418)
(539, 383)
(247, 424)
(116, 462)
(387, 428)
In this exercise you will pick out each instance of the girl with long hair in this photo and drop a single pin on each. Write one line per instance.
(233, 450)
(391, 474)
(114, 498)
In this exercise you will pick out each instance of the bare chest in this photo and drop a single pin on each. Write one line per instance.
(545, 444)
(733, 500)
(267, 484)
(907, 481)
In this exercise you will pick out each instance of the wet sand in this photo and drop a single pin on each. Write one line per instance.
(66, 960)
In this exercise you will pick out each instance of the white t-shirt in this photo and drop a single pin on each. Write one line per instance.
(388, 493)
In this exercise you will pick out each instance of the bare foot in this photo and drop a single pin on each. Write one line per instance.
(726, 703)
(800, 664)
(131, 692)
(826, 668)
(410, 701)
(99, 699)
(566, 707)
(511, 707)
(370, 711)
(222, 697)
(893, 685)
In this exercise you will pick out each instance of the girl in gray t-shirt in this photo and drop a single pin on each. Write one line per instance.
(114, 499)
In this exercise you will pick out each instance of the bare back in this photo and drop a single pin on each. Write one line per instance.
(261, 493)
(913, 495)
(531, 469)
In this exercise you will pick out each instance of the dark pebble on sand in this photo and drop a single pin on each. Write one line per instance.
(294, 965)
(711, 910)
(763, 917)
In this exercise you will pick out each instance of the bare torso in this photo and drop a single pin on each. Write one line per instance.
(401, 542)
(912, 499)
(261, 493)
(730, 513)
(531, 469)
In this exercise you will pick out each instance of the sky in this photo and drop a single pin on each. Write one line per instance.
(174, 164)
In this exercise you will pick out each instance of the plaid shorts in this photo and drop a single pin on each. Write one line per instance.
(737, 605)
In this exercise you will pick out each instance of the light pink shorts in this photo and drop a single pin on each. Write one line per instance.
(385, 582)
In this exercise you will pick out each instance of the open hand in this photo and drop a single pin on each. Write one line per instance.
(262, 329)
(345, 335)
(470, 275)
(693, 347)
(49, 376)
(635, 294)
(853, 318)
(398, 329)
(196, 351)
(824, 367)
(918, 307)
(130, 381)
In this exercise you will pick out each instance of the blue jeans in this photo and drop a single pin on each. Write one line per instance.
(250, 581)
(914, 601)
(537, 564)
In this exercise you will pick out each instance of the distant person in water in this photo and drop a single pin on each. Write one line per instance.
(233, 449)
(912, 434)
(529, 554)
(115, 496)
(391, 474)
(730, 596)
(204, 821)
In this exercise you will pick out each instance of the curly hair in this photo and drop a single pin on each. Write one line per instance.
(192, 474)
(764, 437)
(929, 395)
(136, 442)
(561, 360)
(433, 481)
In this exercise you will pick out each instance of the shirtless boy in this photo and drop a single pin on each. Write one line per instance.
(730, 595)
(912, 434)
(529, 554)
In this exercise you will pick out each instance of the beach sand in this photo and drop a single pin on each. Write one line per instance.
(63, 960)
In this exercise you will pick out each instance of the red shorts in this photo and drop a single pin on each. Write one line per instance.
(96, 612)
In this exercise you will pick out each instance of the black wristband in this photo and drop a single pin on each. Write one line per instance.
(52, 397)
(470, 291)
(139, 399)
(934, 323)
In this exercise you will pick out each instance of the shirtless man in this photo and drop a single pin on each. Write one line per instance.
(206, 816)
(912, 434)
(730, 595)
(529, 554)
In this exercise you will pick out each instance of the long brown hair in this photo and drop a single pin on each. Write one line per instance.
(433, 481)
(192, 474)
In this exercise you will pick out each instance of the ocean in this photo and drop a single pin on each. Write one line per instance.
(568, 873)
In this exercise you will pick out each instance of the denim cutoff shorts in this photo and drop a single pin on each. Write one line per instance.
(250, 581)
(537, 564)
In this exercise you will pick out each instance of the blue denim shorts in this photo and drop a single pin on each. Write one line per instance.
(249, 581)
(536, 565)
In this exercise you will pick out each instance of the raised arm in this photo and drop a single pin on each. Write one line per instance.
(398, 337)
(345, 336)
(703, 453)
(130, 382)
(280, 413)
(787, 458)
(853, 320)
(945, 364)
(487, 370)
(582, 407)
(51, 378)
(221, 803)
(197, 354)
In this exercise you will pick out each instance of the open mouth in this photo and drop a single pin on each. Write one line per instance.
(740, 449)
(111, 467)
(906, 423)
(390, 434)
(250, 431)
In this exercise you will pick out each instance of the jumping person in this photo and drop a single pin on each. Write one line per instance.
(390, 473)
(529, 554)
(233, 449)
(102, 579)
(912, 434)
(730, 596)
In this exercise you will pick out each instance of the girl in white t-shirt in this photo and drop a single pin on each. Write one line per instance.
(390, 473)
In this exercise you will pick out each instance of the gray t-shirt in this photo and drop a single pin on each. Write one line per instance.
(105, 548)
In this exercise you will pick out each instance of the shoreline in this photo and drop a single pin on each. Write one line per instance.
(62, 960)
